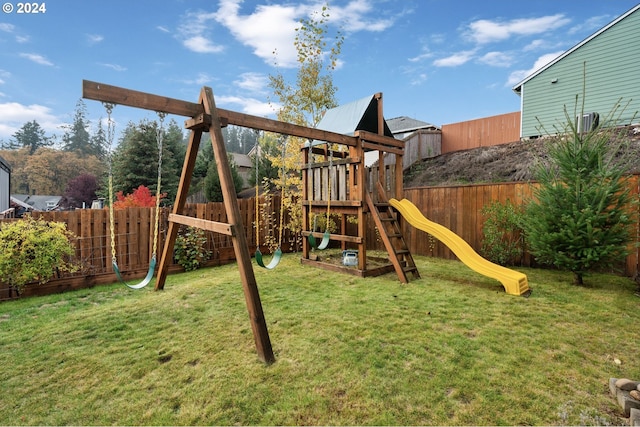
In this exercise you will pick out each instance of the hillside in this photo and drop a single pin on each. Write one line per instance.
(499, 163)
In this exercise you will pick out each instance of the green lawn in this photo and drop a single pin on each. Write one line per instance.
(450, 348)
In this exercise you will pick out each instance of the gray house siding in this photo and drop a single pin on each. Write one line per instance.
(608, 60)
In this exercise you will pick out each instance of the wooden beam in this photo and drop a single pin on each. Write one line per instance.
(336, 237)
(382, 148)
(380, 139)
(216, 227)
(269, 125)
(133, 98)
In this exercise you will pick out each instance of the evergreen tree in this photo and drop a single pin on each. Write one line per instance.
(581, 217)
(212, 188)
(266, 150)
(76, 137)
(135, 160)
(98, 141)
(31, 135)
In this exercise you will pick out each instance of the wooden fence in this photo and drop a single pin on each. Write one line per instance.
(484, 132)
(457, 208)
(133, 232)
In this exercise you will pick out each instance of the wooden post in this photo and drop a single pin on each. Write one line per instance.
(361, 189)
(306, 208)
(240, 245)
(178, 206)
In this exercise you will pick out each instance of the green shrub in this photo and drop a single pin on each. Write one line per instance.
(33, 251)
(503, 241)
(189, 250)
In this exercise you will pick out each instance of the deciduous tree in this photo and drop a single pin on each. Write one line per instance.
(304, 101)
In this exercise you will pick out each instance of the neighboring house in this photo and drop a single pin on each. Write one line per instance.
(5, 185)
(243, 164)
(610, 58)
(37, 203)
(403, 126)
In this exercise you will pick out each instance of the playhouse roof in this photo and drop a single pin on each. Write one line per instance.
(357, 115)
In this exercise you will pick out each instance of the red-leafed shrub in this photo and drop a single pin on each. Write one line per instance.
(140, 198)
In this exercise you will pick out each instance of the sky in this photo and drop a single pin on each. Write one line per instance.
(439, 61)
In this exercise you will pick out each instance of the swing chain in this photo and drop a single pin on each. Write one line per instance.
(110, 135)
(159, 142)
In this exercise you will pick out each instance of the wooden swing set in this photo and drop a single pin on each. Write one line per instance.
(339, 185)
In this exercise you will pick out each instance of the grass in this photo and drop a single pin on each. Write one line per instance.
(450, 348)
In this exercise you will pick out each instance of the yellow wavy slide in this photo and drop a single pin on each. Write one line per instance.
(514, 283)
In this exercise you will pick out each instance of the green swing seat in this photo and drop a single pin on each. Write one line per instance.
(145, 281)
(324, 243)
(275, 260)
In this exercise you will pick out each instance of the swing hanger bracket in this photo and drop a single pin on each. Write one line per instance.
(203, 121)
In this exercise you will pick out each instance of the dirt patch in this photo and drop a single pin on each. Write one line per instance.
(499, 163)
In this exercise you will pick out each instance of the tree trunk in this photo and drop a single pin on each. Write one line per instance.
(577, 279)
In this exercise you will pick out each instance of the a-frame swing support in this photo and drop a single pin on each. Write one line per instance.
(204, 116)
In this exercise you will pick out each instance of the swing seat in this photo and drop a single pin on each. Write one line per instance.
(277, 256)
(324, 243)
(145, 281)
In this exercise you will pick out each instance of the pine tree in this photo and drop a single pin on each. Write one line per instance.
(32, 136)
(581, 217)
(135, 160)
(76, 137)
(212, 188)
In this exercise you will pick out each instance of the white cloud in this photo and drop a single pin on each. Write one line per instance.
(456, 59)
(425, 54)
(591, 25)
(7, 28)
(269, 28)
(22, 39)
(4, 75)
(418, 79)
(94, 38)
(201, 44)
(14, 115)
(519, 75)
(486, 31)
(38, 59)
(252, 82)
(352, 17)
(163, 29)
(200, 80)
(534, 45)
(496, 59)
(194, 33)
(115, 67)
(248, 105)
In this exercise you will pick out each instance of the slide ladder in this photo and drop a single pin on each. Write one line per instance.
(514, 282)
(386, 221)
